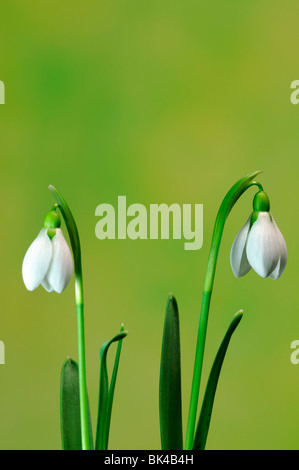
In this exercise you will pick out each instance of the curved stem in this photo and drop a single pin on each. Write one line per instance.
(227, 204)
(75, 242)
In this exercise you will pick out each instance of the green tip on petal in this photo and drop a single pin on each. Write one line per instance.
(254, 217)
(52, 220)
(51, 232)
(261, 202)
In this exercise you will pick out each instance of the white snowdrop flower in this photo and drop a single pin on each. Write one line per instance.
(48, 261)
(259, 244)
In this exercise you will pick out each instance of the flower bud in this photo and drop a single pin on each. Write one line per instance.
(261, 202)
(52, 221)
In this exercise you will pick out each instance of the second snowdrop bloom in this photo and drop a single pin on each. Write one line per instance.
(259, 244)
(48, 261)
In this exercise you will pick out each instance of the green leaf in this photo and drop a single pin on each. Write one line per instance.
(112, 388)
(106, 393)
(70, 223)
(170, 402)
(70, 407)
(208, 401)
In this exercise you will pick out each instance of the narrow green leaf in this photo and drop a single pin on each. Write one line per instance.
(70, 223)
(112, 388)
(208, 401)
(105, 397)
(170, 402)
(70, 407)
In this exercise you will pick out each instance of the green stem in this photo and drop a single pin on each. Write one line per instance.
(227, 204)
(75, 242)
(82, 377)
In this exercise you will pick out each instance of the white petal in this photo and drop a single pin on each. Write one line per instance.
(46, 285)
(238, 258)
(262, 246)
(37, 260)
(61, 267)
(283, 254)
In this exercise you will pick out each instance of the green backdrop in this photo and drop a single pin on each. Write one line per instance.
(161, 101)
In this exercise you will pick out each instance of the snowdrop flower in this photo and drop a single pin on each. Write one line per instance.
(48, 260)
(259, 244)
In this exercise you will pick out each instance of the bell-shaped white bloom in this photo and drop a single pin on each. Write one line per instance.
(261, 246)
(48, 262)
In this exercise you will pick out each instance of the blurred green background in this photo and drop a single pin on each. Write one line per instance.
(161, 101)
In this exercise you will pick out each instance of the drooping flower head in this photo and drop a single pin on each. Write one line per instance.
(48, 260)
(259, 244)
